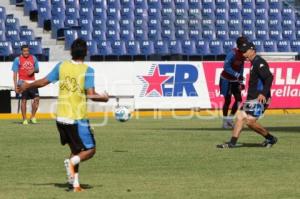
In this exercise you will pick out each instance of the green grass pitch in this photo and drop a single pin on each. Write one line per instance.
(157, 159)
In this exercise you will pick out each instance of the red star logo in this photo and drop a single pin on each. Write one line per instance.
(155, 81)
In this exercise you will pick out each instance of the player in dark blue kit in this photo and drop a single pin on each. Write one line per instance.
(258, 99)
(231, 82)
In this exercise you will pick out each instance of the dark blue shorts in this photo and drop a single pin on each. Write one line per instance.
(79, 135)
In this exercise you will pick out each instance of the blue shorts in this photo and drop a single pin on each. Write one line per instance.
(79, 135)
(254, 108)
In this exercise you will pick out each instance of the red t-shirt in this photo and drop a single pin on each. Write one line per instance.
(26, 64)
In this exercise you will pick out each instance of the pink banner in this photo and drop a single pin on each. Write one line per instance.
(285, 89)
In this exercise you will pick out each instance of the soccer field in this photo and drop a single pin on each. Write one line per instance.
(149, 158)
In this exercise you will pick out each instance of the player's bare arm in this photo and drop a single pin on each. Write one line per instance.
(94, 96)
(36, 84)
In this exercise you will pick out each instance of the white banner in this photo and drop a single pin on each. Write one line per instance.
(163, 85)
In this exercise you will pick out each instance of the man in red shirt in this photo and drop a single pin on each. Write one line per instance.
(24, 67)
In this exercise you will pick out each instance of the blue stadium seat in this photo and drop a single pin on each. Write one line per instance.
(104, 48)
(12, 23)
(72, 12)
(168, 34)
(261, 4)
(99, 24)
(85, 24)
(248, 24)
(235, 13)
(2, 35)
(249, 33)
(154, 13)
(195, 34)
(259, 45)
(288, 13)
(44, 13)
(283, 46)
(112, 34)
(222, 33)
(86, 12)
(208, 24)
(297, 35)
(248, 13)
(118, 48)
(221, 4)
(113, 13)
(288, 24)
(168, 13)
(35, 47)
(195, 23)
(234, 4)
(235, 24)
(289, 34)
(113, 24)
(29, 6)
(248, 4)
(261, 23)
(275, 33)
(113, 4)
(86, 3)
(57, 25)
(270, 46)
(181, 23)
(71, 22)
(58, 3)
(98, 35)
(167, 23)
(58, 12)
(12, 35)
(2, 24)
(85, 34)
(5, 50)
(208, 34)
(100, 3)
(221, 14)
(175, 47)
(228, 45)
(234, 34)
(73, 3)
(274, 23)
(189, 48)
(274, 13)
(154, 34)
(261, 13)
(181, 4)
(133, 48)
(141, 22)
(208, 13)
(209, 4)
(127, 34)
(141, 12)
(216, 47)
(16, 46)
(26, 35)
(141, 4)
(147, 48)
(127, 13)
(100, 13)
(161, 47)
(297, 21)
(295, 46)
(126, 23)
(195, 13)
(2, 12)
(275, 4)
(140, 34)
(262, 34)
(167, 3)
(181, 13)
(70, 36)
(182, 34)
(195, 4)
(202, 47)
(92, 48)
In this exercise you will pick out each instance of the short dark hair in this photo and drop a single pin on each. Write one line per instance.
(240, 41)
(78, 49)
(24, 46)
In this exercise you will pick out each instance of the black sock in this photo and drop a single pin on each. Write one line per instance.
(269, 137)
(233, 140)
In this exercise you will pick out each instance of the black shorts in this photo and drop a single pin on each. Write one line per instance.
(30, 94)
(228, 88)
(254, 108)
(79, 135)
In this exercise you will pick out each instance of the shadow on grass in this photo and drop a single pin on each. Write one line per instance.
(66, 186)
(288, 129)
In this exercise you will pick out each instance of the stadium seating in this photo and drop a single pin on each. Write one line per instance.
(162, 27)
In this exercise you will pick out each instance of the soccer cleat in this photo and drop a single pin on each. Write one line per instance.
(69, 177)
(269, 143)
(228, 123)
(78, 189)
(225, 146)
(33, 120)
(25, 122)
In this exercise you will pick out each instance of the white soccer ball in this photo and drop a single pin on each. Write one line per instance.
(122, 114)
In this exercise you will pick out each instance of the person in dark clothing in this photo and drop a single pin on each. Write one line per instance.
(258, 99)
(231, 82)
